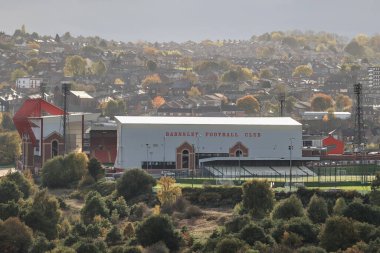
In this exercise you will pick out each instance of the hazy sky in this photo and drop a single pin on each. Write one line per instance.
(181, 20)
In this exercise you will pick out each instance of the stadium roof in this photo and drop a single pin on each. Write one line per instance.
(263, 121)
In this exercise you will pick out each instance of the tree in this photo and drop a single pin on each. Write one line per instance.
(338, 233)
(158, 101)
(95, 168)
(75, 66)
(317, 209)
(10, 147)
(230, 245)
(7, 122)
(23, 184)
(158, 228)
(321, 102)
(194, 92)
(151, 79)
(168, 192)
(18, 73)
(114, 235)
(303, 71)
(340, 205)
(15, 236)
(94, 205)
(258, 198)
(249, 104)
(151, 65)
(252, 233)
(265, 73)
(99, 68)
(9, 191)
(133, 183)
(343, 103)
(375, 185)
(288, 208)
(57, 38)
(355, 49)
(44, 214)
(114, 108)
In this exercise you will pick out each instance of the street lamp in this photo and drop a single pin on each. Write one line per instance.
(164, 152)
(147, 156)
(290, 161)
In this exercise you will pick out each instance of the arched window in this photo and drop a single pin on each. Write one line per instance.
(54, 148)
(238, 153)
(185, 159)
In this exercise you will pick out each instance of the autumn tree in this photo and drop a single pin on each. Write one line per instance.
(194, 92)
(158, 101)
(15, 236)
(249, 104)
(18, 73)
(343, 103)
(10, 147)
(190, 76)
(168, 192)
(151, 79)
(150, 51)
(303, 71)
(75, 66)
(321, 102)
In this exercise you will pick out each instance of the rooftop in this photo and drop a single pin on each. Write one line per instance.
(263, 121)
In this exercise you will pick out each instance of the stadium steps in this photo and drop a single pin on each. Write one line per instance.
(275, 170)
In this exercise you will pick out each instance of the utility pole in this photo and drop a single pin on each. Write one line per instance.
(290, 162)
(65, 90)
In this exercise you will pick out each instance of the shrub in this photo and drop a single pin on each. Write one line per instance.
(193, 211)
(139, 210)
(288, 208)
(95, 169)
(317, 209)
(23, 184)
(252, 233)
(132, 249)
(15, 236)
(258, 198)
(291, 240)
(93, 230)
(41, 244)
(133, 183)
(9, 191)
(237, 223)
(44, 214)
(374, 198)
(62, 249)
(340, 205)
(114, 235)
(366, 232)
(158, 228)
(121, 207)
(105, 187)
(94, 205)
(311, 249)
(303, 227)
(338, 233)
(181, 204)
(10, 209)
(158, 247)
(129, 230)
(229, 245)
(87, 247)
(64, 228)
(86, 180)
(363, 213)
(205, 198)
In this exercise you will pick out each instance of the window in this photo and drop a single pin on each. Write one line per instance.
(238, 153)
(54, 148)
(185, 159)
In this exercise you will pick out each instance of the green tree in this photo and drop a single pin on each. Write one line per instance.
(95, 168)
(158, 228)
(151, 65)
(7, 122)
(340, 205)
(288, 208)
(114, 108)
(23, 184)
(317, 209)
(133, 183)
(252, 233)
(18, 73)
(258, 198)
(230, 245)
(266, 73)
(321, 102)
(355, 49)
(338, 233)
(249, 104)
(303, 71)
(10, 147)
(44, 214)
(99, 69)
(9, 191)
(15, 236)
(114, 236)
(75, 66)
(94, 205)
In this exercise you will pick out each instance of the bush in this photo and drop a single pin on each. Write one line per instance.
(121, 207)
(129, 230)
(338, 233)
(10, 209)
(133, 183)
(158, 247)
(311, 249)
(9, 191)
(63, 250)
(363, 213)
(193, 211)
(94, 205)
(95, 169)
(374, 198)
(139, 210)
(229, 245)
(41, 244)
(158, 228)
(288, 208)
(105, 187)
(132, 249)
(301, 226)
(252, 233)
(93, 230)
(114, 236)
(205, 198)
(366, 232)
(340, 205)
(258, 198)
(23, 184)
(15, 236)
(60, 172)
(86, 180)
(237, 223)
(181, 204)
(44, 214)
(317, 209)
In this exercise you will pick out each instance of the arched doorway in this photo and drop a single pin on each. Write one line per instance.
(238, 153)
(54, 148)
(185, 159)
(185, 156)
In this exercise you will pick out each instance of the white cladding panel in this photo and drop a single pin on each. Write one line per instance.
(263, 141)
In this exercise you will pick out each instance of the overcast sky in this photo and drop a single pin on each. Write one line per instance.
(181, 20)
